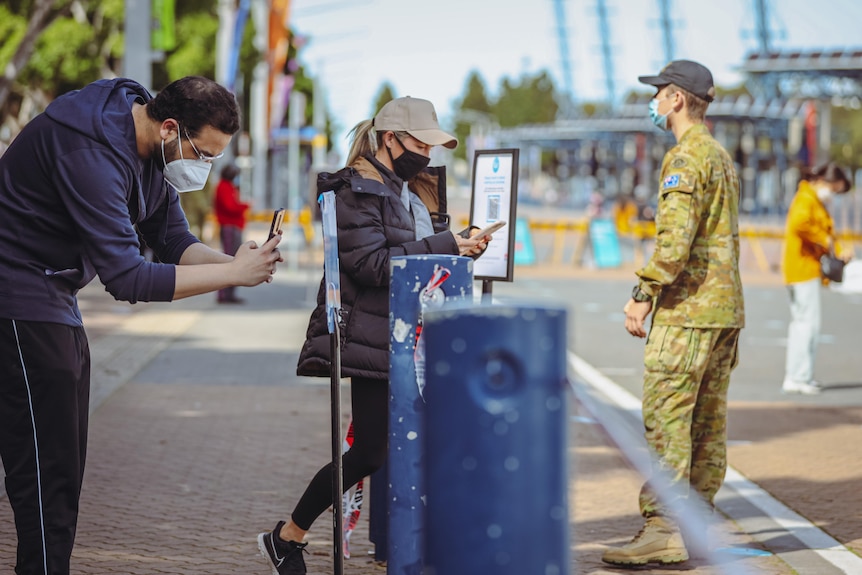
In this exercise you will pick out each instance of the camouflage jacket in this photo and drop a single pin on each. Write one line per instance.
(694, 270)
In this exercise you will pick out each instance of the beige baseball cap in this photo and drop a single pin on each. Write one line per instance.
(416, 117)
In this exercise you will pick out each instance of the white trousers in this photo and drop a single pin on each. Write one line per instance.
(803, 331)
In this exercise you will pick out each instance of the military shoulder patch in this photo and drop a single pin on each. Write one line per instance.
(678, 163)
(670, 182)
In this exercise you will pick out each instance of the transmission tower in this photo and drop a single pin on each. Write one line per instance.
(607, 57)
(563, 40)
(763, 32)
(666, 29)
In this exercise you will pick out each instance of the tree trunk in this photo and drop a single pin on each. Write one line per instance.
(40, 19)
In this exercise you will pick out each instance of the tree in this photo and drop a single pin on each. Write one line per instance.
(473, 108)
(532, 100)
(50, 46)
(21, 28)
(384, 95)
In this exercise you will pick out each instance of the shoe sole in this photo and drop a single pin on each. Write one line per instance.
(659, 559)
(815, 391)
(262, 547)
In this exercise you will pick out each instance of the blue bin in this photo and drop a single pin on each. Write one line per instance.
(496, 425)
(410, 275)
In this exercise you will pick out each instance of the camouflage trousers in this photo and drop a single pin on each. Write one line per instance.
(686, 376)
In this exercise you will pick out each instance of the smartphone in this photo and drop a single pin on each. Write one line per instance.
(489, 229)
(277, 221)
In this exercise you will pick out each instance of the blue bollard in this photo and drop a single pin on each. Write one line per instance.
(449, 278)
(495, 436)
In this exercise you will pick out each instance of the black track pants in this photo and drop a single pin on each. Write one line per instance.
(44, 408)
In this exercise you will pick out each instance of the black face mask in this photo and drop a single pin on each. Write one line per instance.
(408, 164)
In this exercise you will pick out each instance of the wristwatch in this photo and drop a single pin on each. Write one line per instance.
(639, 295)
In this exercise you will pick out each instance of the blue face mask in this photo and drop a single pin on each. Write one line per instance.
(657, 119)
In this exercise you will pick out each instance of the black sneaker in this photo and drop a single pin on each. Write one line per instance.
(285, 557)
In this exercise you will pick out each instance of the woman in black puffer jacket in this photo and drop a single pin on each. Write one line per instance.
(385, 199)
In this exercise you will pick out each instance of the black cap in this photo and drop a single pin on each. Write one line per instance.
(688, 75)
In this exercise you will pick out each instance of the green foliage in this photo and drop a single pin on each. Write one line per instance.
(590, 109)
(846, 148)
(476, 97)
(66, 56)
(385, 94)
(532, 100)
(195, 52)
(77, 47)
(12, 28)
(473, 107)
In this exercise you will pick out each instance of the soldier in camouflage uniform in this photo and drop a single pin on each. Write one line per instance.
(693, 281)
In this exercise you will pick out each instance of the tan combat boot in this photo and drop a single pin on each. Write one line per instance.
(659, 541)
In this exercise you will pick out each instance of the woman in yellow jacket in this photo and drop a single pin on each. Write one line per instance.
(808, 235)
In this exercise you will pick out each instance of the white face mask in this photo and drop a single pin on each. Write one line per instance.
(186, 175)
(824, 194)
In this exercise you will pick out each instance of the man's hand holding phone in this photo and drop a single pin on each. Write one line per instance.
(276, 224)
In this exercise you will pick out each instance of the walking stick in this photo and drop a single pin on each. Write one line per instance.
(332, 280)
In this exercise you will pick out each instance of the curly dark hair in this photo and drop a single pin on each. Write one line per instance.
(195, 102)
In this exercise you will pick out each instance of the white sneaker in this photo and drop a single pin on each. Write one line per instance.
(790, 386)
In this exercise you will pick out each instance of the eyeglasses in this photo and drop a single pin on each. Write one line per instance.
(201, 156)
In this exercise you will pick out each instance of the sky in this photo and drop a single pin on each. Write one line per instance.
(427, 49)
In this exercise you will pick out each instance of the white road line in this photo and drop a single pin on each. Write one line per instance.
(808, 533)
(813, 537)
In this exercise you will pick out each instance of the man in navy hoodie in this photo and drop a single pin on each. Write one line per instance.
(76, 186)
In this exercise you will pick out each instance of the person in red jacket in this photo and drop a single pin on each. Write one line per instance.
(230, 214)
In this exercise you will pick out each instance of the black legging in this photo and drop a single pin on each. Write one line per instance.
(369, 399)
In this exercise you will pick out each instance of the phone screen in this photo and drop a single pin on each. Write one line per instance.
(275, 226)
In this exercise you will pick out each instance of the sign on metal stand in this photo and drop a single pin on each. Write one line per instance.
(332, 279)
(495, 199)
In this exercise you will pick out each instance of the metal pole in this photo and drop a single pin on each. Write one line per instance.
(137, 56)
(607, 57)
(337, 479)
(259, 113)
(296, 120)
(667, 29)
(332, 281)
(487, 288)
(226, 16)
(318, 146)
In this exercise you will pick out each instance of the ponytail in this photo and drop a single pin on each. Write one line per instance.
(363, 141)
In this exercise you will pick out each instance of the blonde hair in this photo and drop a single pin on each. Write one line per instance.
(365, 140)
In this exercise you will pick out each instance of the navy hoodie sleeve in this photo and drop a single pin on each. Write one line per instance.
(93, 185)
